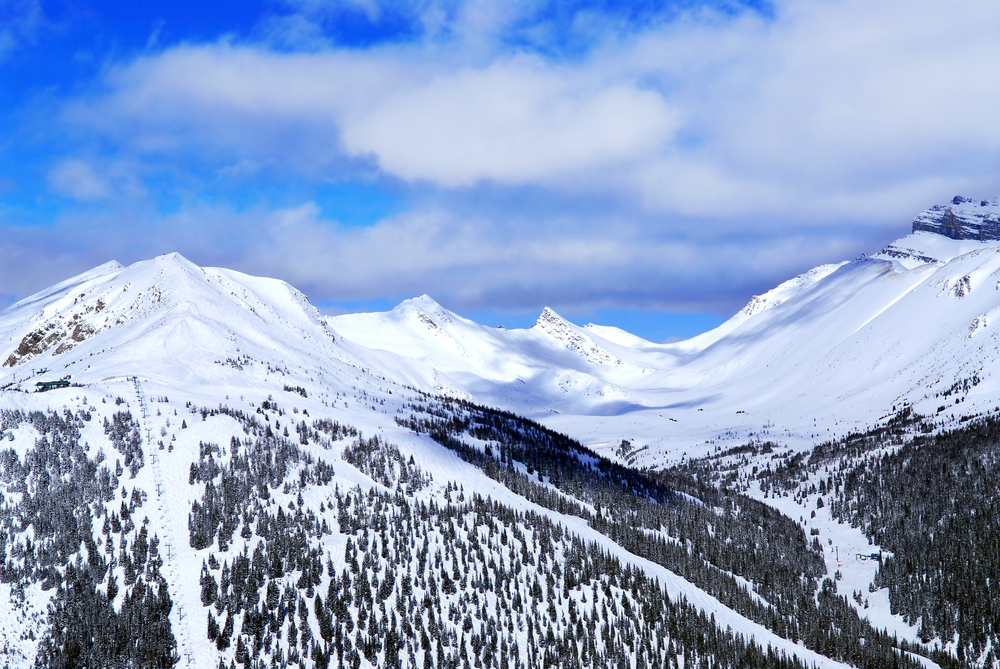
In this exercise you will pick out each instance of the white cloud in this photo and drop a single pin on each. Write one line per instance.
(827, 103)
(468, 262)
(491, 261)
(514, 122)
(78, 180)
(724, 153)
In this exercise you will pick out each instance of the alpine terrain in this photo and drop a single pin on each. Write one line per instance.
(201, 470)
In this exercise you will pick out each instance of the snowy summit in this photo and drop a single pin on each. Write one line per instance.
(410, 488)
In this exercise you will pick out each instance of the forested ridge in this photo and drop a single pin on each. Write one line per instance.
(712, 540)
(929, 499)
(297, 569)
(66, 527)
(935, 505)
(461, 581)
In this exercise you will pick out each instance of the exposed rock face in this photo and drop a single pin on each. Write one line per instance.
(566, 334)
(65, 331)
(963, 218)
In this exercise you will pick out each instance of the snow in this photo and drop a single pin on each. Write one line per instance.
(828, 352)
(837, 346)
(759, 304)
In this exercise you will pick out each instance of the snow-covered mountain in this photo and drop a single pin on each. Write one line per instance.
(963, 218)
(840, 345)
(226, 465)
(275, 487)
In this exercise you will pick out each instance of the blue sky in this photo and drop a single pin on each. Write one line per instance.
(646, 165)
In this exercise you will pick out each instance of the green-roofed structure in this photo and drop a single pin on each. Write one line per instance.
(49, 385)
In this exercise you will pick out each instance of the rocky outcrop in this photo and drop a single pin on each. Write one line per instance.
(567, 334)
(963, 218)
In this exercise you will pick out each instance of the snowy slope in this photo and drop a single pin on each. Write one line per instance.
(837, 346)
(203, 356)
(554, 365)
(197, 357)
(759, 304)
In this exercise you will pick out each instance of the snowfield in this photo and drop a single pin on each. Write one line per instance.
(187, 351)
(822, 355)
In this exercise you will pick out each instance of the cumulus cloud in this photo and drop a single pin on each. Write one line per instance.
(683, 163)
(467, 262)
(516, 121)
(842, 104)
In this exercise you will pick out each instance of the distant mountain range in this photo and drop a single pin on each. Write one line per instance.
(840, 345)
(275, 487)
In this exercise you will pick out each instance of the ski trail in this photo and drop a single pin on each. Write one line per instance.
(184, 647)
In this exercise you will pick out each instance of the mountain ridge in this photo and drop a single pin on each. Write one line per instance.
(963, 218)
(351, 499)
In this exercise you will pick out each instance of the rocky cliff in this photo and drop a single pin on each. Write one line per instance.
(963, 218)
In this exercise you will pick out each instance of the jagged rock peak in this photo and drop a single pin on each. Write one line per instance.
(548, 316)
(962, 218)
(568, 335)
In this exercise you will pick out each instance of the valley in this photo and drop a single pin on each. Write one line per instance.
(808, 485)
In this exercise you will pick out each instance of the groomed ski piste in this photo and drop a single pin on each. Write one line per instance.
(833, 351)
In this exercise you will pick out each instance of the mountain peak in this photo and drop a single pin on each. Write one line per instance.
(570, 336)
(173, 257)
(548, 316)
(173, 260)
(962, 218)
(424, 303)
